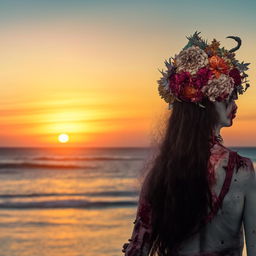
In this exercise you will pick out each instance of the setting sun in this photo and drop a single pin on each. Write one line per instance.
(63, 138)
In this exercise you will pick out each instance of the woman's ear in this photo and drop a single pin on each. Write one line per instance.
(220, 105)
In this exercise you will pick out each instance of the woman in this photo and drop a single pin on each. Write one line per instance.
(198, 195)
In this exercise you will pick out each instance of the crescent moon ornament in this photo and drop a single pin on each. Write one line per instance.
(239, 42)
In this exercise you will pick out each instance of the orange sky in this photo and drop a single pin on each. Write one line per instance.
(97, 82)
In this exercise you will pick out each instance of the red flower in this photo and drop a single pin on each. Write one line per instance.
(187, 87)
(178, 81)
(235, 74)
(202, 77)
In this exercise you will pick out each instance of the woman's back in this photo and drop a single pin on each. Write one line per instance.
(223, 234)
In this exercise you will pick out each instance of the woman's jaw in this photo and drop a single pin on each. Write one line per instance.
(227, 112)
(232, 113)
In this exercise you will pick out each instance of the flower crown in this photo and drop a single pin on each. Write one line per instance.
(202, 71)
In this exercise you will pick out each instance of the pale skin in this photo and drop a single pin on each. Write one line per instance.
(226, 110)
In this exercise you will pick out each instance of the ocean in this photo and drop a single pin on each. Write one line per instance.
(72, 202)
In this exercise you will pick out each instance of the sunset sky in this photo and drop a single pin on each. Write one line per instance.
(89, 68)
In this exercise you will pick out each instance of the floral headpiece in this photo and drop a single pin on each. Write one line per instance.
(201, 71)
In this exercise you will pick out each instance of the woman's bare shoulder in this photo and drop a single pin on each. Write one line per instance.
(242, 163)
(244, 171)
(245, 163)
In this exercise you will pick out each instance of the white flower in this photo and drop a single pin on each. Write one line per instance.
(218, 87)
(191, 59)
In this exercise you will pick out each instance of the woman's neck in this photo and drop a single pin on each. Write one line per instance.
(216, 137)
(217, 130)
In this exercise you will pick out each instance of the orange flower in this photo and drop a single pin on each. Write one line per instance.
(218, 66)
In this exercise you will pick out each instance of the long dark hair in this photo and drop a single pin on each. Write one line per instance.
(177, 184)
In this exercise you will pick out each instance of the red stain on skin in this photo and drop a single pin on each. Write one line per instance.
(218, 153)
